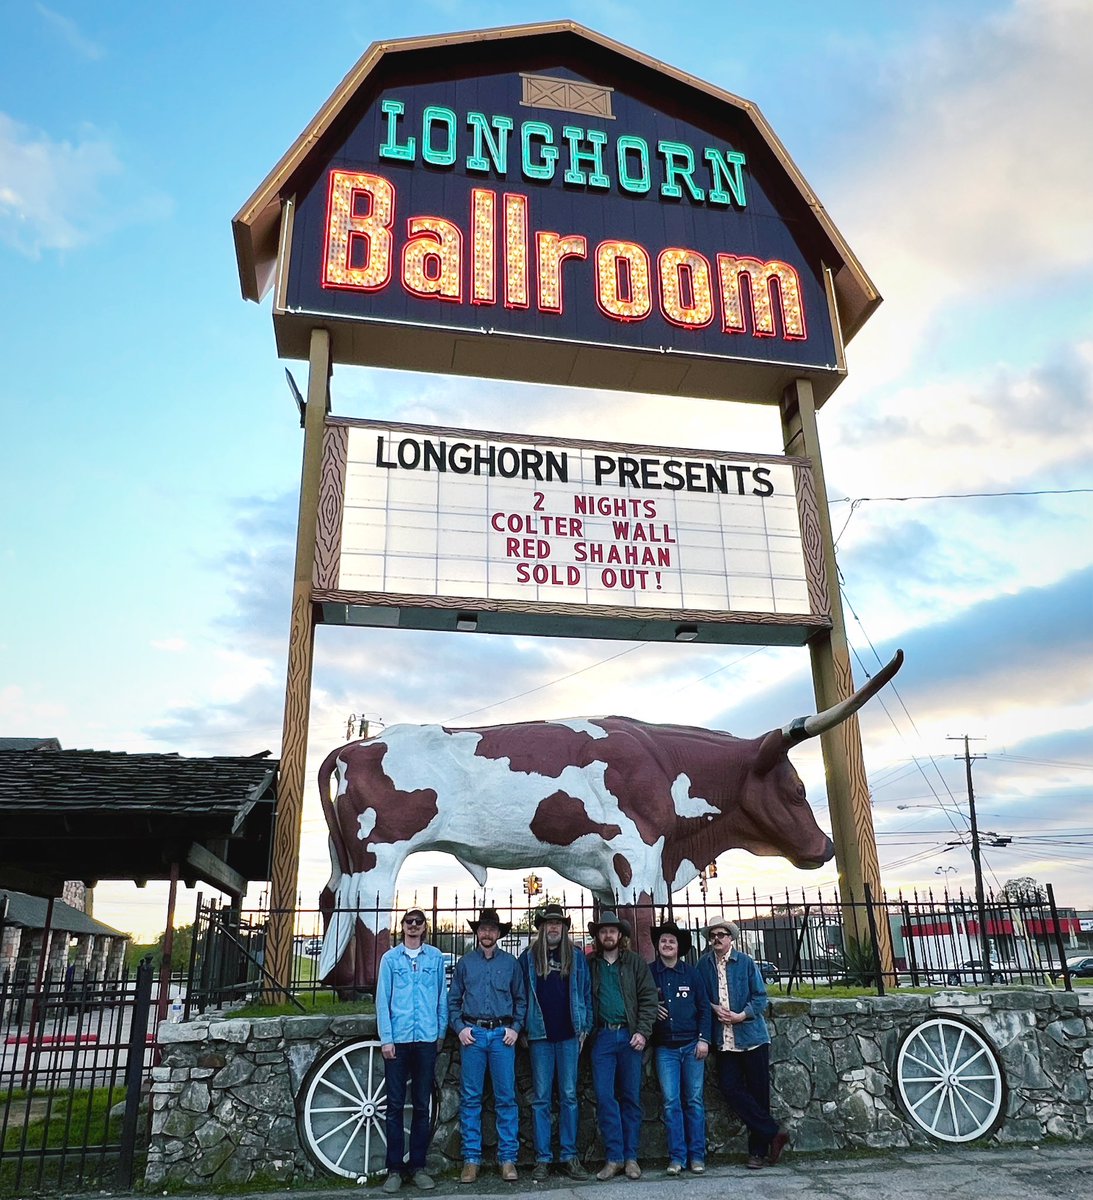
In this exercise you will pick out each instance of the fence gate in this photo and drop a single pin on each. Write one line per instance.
(73, 1055)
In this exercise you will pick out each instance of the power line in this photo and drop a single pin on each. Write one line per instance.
(959, 496)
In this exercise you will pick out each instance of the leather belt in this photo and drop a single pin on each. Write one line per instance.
(488, 1022)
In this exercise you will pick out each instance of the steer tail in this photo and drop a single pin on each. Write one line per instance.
(339, 859)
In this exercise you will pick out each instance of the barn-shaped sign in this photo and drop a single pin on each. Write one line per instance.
(542, 203)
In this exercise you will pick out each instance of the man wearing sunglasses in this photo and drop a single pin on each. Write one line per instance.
(738, 999)
(412, 1016)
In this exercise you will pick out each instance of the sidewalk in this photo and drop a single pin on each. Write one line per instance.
(1013, 1173)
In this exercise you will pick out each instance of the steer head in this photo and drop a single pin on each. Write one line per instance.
(774, 796)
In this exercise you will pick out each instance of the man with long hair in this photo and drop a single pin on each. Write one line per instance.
(559, 1019)
(624, 1002)
(412, 1017)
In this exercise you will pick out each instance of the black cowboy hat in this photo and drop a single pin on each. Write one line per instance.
(552, 912)
(607, 917)
(682, 936)
(489, 915)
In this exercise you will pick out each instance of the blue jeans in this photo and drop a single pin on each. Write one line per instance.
(744, 1079)
(682, 1081)
(550, 1060)
(415, 1061)
(616, 1076)
(489, 1050)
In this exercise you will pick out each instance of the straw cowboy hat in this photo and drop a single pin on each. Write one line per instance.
(721, 921)
(682, 936)
(552, 912)
(609, 918)
(490, 917)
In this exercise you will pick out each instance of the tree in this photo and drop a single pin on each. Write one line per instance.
(180, 950)
(525, 923)
(1023, 890)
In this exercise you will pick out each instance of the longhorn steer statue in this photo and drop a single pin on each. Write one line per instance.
(630, 810)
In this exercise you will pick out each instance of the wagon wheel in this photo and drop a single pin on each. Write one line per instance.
(342, 1111)
(950, 1081)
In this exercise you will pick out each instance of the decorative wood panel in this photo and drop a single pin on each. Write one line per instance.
(328, 532)
(812, 544)
(567, 95)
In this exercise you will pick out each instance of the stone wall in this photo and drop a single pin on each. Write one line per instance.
(224, 1097)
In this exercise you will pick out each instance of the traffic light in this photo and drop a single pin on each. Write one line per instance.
(533, 885)
(711, 871)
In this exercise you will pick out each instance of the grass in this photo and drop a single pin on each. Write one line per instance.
(315, 1003)
(75, 1120)
(82, 1116)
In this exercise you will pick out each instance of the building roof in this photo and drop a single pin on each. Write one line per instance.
(29, 912)
(29, 743)
(91, 815)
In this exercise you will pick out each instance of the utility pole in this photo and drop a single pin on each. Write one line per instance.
(977, 864)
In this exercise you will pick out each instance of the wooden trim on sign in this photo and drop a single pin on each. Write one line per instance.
(812, 542)
(328, 531)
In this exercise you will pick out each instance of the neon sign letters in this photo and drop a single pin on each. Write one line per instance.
(363, 243)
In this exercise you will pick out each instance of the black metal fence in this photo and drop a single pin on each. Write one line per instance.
(73, 1055)
(916, 940)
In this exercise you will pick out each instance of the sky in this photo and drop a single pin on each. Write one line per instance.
(150, 459)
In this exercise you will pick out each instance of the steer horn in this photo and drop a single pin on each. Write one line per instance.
(780, 740)
(806, 727)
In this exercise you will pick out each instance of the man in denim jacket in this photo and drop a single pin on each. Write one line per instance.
(681, 1042)
(411, 1015)
(559, 1019)
(738, 999)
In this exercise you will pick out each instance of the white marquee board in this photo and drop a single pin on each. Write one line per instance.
(495, 522)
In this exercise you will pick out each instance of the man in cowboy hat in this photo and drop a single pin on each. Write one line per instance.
(624, 1004)
(487, 1004)
(559, 1019)
(738, 998)
(681, 1041)
(412, 1016)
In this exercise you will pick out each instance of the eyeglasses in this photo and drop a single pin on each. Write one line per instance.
(413, 920)
(720, 935)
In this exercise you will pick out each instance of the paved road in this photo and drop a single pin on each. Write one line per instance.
(1027, 1173)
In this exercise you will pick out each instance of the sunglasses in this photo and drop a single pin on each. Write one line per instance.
(720, 935)
(413, 920)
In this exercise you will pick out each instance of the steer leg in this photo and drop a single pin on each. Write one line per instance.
(357, 916)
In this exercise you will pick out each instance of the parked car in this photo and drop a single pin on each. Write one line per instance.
(1081, 967)
(769, 971)
(971, 971)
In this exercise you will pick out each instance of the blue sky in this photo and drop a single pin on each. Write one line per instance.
(151, 451)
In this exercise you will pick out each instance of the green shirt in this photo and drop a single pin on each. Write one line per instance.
(612, 1009)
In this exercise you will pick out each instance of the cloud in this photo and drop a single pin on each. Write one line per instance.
(972, 188)
(966, 431)
(170, 645)
(70, 33)
(51, 191)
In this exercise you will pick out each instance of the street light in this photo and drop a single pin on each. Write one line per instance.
(945, 872)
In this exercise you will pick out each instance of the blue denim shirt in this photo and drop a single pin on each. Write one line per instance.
(411, 1004)
(682, 991)
(580, 996)
(747, 994)
(487, 987)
